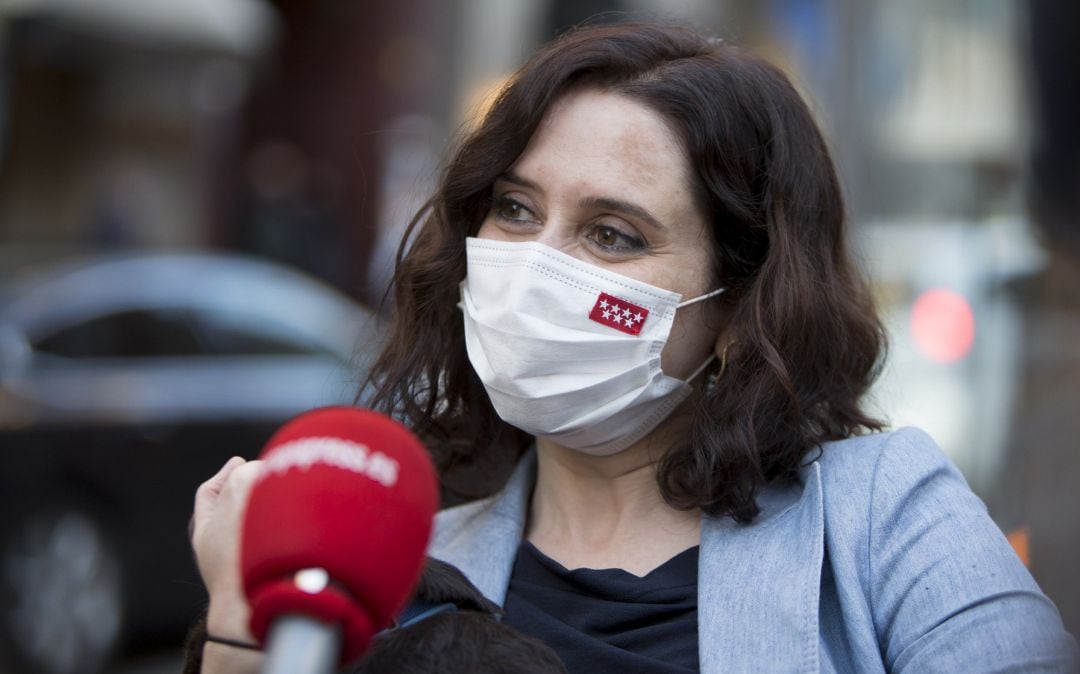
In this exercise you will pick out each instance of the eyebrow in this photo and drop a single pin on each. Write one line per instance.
(622, 207)
(603, 203)
(512, 177)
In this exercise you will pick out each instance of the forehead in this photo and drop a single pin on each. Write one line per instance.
(598, 143)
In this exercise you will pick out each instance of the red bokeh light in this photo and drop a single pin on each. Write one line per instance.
(943, 325)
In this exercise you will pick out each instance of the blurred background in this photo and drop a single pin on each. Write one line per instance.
(200, 202)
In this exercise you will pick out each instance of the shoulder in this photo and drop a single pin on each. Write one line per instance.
(881, 489)
(904, 531)
(905, 450)
(885, 468)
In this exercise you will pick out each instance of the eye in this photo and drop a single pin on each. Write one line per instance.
(512, 210)
(611, 239)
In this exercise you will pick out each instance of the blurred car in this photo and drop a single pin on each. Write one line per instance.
(125, 381)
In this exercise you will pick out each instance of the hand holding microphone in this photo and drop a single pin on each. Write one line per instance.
(334, 535)
(215, 538)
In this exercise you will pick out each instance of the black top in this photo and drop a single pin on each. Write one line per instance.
(608, 620)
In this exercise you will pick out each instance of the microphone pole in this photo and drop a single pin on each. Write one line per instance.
(298, 644)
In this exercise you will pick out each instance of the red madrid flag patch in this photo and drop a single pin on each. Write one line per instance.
(619, 314)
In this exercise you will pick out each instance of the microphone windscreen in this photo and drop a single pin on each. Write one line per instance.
(349, 492)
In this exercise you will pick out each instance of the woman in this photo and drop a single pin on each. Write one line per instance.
(658, 323)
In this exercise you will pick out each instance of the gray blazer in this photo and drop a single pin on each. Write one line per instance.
(879, 559)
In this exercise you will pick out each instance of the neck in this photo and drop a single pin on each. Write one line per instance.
(607, 511)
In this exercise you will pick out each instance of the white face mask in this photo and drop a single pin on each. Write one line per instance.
(568, 350)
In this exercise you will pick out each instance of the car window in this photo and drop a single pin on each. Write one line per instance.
(124, 334)
(165, 333)
(229, 335)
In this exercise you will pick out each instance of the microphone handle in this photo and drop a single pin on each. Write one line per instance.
(301, 645)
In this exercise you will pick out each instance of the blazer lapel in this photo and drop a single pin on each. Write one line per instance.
(759, 584)
(482, 539)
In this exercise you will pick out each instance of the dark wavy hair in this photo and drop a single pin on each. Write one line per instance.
(806, 340)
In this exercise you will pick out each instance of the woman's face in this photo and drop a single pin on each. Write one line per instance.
(604, 179)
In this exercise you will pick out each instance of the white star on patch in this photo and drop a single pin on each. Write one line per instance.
(626, 313)
(638, 318)
(604, 304)
(607, 314)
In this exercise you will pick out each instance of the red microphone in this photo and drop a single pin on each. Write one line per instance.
(334, 535)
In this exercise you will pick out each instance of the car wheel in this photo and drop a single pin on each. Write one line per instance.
(63, 600)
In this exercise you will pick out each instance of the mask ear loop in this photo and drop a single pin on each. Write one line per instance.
(701, 368)
(699, 298)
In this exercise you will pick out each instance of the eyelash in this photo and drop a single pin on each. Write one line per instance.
(503, 203)
(631, 243)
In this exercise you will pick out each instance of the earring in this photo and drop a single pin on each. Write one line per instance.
(714, 376)
(723, 359)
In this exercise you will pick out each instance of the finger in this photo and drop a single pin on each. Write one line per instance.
(223, 500)
(208, 491)
(215, 483)
(240, 480)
